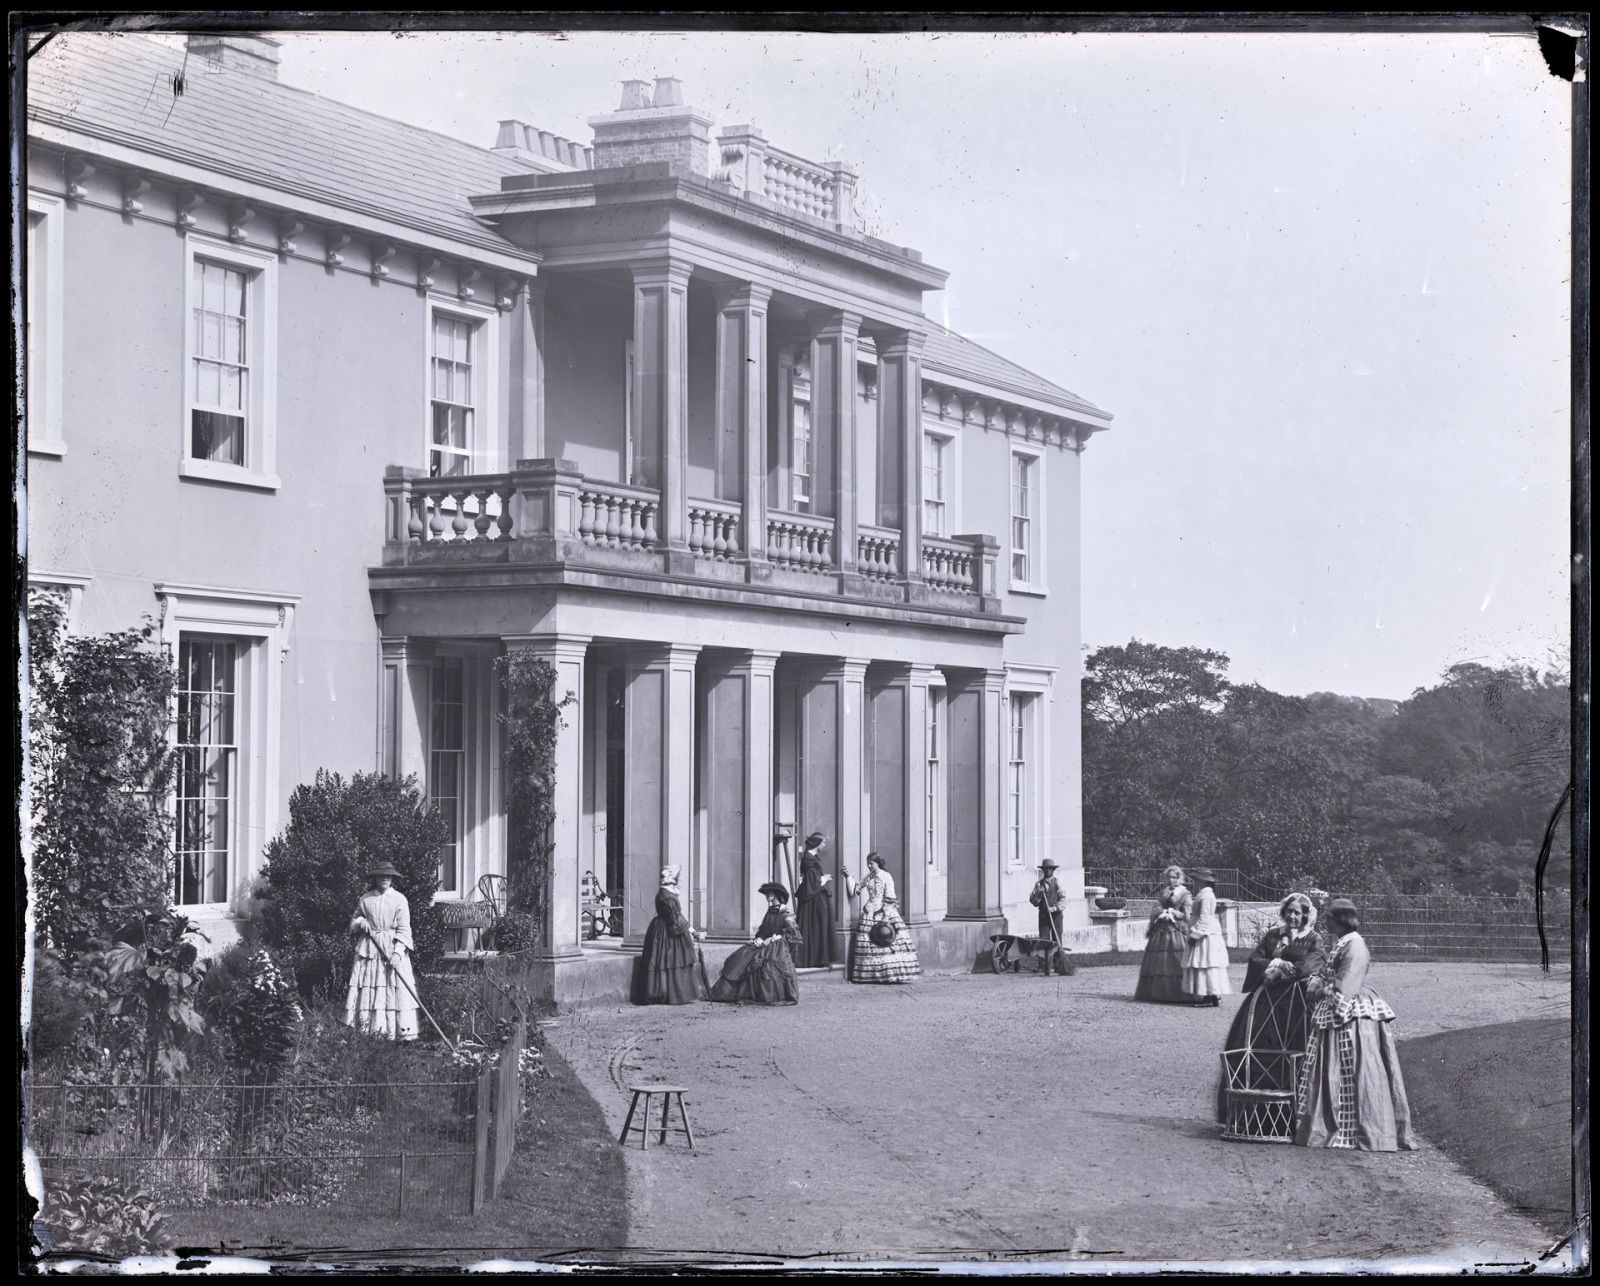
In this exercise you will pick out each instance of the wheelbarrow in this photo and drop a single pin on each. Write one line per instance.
(1009, 950)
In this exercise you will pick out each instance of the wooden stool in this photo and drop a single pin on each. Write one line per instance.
(666, 1092)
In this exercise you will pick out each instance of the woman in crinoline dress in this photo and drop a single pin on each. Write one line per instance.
(1161, 970)
(668, 948)
(382, 998)
(1352, 1094)
(895, 958)
(1276, 1019)
(762, 971)
(1205, 956)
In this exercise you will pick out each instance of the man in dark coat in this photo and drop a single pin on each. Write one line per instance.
(1046, 896)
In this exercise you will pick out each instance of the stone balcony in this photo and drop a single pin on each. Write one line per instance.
(545, 517)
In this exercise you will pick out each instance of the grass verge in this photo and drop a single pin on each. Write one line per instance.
(565, 1194)
(1498, 1100)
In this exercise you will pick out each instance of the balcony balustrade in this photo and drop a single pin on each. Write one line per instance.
(546, 513)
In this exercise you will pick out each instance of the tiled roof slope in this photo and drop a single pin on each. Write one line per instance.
(118, 88)
(955, 355)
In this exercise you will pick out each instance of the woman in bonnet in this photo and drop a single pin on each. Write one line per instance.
(668, 948)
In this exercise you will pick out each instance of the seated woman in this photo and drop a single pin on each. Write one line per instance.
(1277, 1016)
(1351, 1092)
(762, 971)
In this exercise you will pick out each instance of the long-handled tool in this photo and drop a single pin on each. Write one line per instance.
(384, 956)
(700, 956)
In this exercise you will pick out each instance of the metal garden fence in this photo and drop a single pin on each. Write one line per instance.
(370, 1148)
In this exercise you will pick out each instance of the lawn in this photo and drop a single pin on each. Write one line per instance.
(566, 1191)
(1498, 1100)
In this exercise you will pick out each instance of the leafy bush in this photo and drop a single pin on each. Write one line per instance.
(316, 870)
(256, 1010)
(153, 972)
(102, 1216)
(100, 770)
(516, 931)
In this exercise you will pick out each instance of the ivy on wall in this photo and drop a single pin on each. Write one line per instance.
(530, 724)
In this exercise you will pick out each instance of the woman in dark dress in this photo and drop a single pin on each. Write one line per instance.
(813, 906)
(668, 948)
(1161, 970)
(762, 971)
(1276, 1016)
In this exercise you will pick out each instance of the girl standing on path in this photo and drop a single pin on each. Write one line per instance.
(1351, 1093)
(882, 949)
(382, 998)
(1161, 970)
(668, 948)
(762, 971)
(813, 902)
(1205, 957)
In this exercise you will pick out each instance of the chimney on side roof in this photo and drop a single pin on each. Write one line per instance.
(646, 129)
(249, 55)
(540, 150)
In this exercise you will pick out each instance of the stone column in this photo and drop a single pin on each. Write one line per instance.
(742, 415)
(897, 778)
(661, 398)
(964, 774)
(526, 418)
(994, 760)
(833, 424)
(566, 653)
(918, 859)
(900, 443)
(403, 739)
(736, 788)
(658, 813)
(838, 690)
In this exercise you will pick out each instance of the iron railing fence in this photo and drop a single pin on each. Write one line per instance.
(380, 1147)
(1450, 926)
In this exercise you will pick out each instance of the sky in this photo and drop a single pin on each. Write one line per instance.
(1320, 280)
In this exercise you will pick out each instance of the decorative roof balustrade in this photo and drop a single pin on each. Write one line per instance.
(753, 166)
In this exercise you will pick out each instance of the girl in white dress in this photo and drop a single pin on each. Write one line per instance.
(1205, 958)
(382, 997)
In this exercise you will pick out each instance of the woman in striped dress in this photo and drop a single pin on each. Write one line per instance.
(896, 962)
(1351, 1092)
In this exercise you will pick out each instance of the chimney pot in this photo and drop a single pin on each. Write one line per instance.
(635, 96)
(669, 91)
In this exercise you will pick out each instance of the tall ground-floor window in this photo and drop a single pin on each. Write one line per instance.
(207, 768)
(933, 810)
(1020, 783)
(447, 763)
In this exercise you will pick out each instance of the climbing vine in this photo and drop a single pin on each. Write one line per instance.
(531, 725)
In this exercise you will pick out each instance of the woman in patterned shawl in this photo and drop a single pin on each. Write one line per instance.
(1161, 970)
(1276, 1019)
(762, 971)
(895, 962)
(1351, 1092)
(383, 992)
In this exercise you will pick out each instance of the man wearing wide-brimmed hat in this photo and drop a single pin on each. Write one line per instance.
(383, 991)
(1046, 896)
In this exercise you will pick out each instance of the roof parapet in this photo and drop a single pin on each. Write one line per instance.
(543, 151)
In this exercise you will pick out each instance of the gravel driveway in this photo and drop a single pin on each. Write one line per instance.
(1022, 1118)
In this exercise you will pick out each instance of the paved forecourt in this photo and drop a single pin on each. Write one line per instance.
(981, 1116)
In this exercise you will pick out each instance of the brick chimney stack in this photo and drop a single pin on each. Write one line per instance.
(654, 127)
(249, 55)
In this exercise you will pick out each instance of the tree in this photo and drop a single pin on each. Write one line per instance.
(1124, 685)
(314, 872)
(100, 772)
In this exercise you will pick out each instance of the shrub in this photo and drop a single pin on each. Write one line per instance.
(255, 1008)
(154, 971)
(102, 1216)
(316, 870)
(100, 769)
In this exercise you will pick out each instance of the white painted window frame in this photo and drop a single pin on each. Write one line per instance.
(1033, 684)
(1037, 582)
(952, 476)
(260, 469)
(937, 759)
(485, 445)
(46, 435)
(263, 622)
(480, 840)
(69, 586)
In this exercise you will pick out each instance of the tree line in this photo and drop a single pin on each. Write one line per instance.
(1450, 789)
